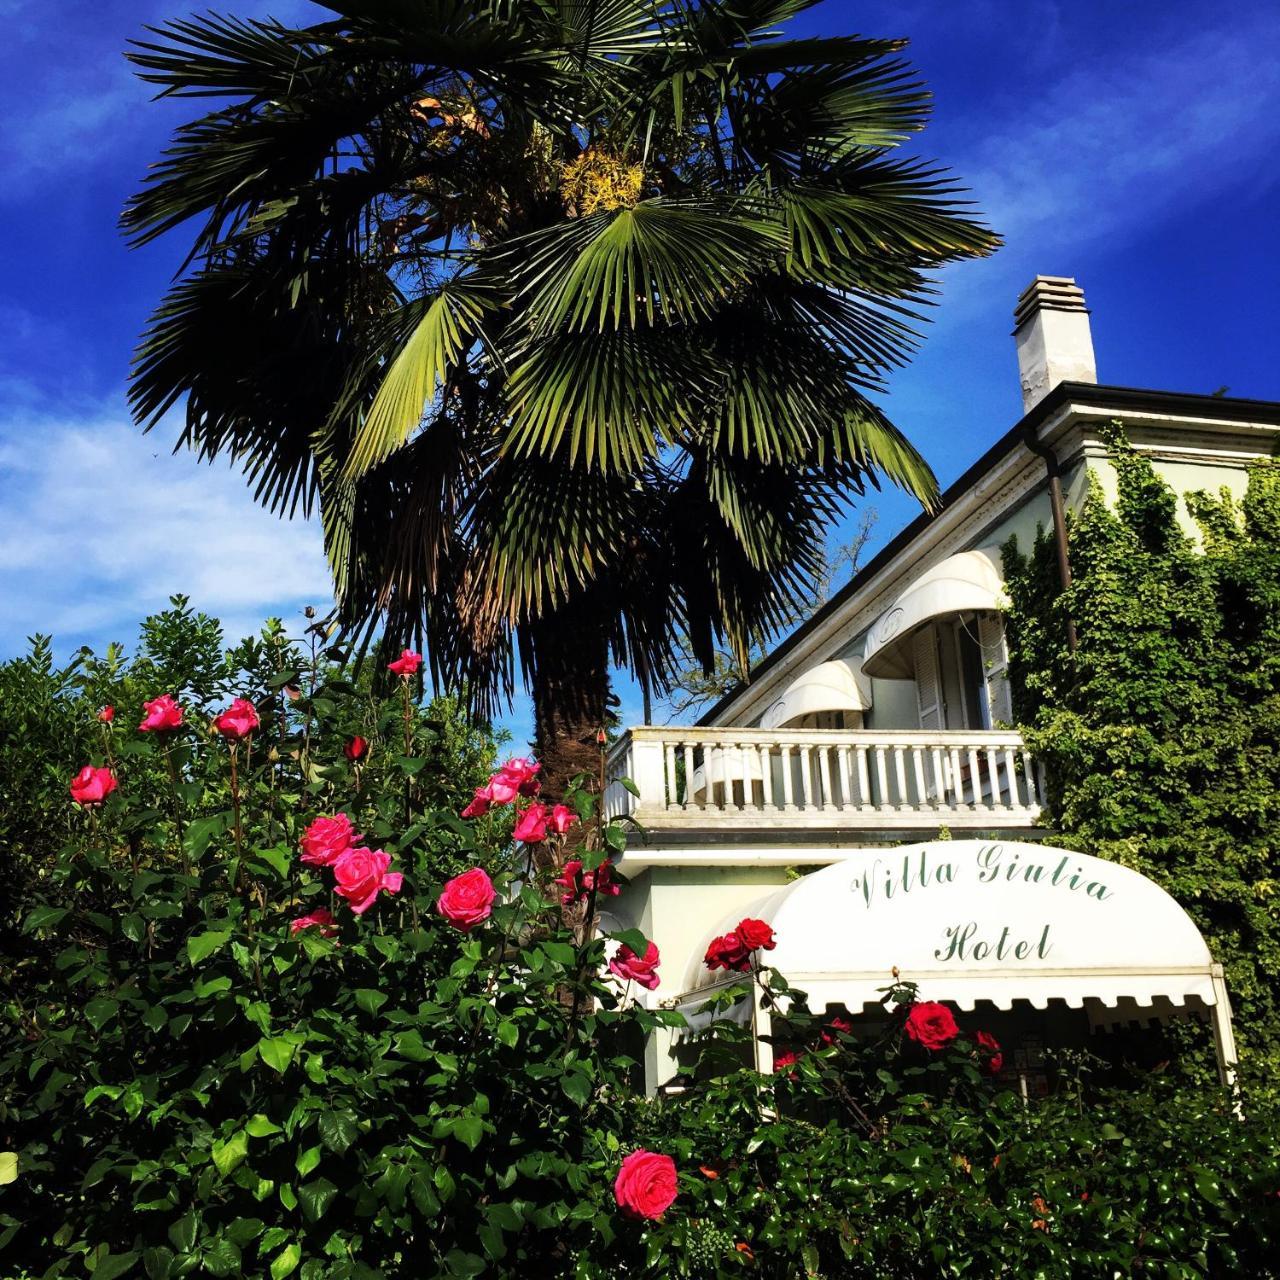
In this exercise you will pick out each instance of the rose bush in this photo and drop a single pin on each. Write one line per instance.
(222, 1066)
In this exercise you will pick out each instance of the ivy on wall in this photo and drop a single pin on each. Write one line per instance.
(1161, 733)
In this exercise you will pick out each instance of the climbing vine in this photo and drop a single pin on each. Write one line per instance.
(1160, 734)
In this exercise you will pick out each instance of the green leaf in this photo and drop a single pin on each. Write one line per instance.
(158, 1262)
(576, 1086)
(222, 1259)
(203, 945)
(202, 831)
(468, 1128)
(111, 1265)
(277, 1052)
(634, 939)
(231, 1154)
(408, 1044)
(286, 1261)
(307, 1160)
(44, 918)
(561, 952)
(370, 999)
(465, 1264)
(8, 1167)
(260, 1127)
(338, 1130)
(182, 1233)
(315, 1197)
(99, 1011)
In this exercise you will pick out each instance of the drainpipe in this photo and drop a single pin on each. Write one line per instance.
(1058, 508)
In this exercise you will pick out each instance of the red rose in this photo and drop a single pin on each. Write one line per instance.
(407, 664)
(646, 1184)
(531, 825)
(562, 818)
(578, 884)
(835, 1028)
(992, 1060)
(931, 1025)
(785, 1061)
(756, 935)
(107, 714)
(633, 968)
(239, 720)
(467, 899)
(327, 839)
(92, 786)
(321, 918)
(161, 714)
(728, 952)
(356, 749)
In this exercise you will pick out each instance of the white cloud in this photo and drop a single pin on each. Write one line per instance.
(100, 525)
(1118, 142)
(1099, 155)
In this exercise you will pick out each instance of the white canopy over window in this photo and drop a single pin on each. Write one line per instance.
(968, 582)
(831, 686)
(974, 920)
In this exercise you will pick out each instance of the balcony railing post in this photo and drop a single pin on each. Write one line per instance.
(648, 774)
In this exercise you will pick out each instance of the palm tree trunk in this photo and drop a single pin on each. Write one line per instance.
(570, 652)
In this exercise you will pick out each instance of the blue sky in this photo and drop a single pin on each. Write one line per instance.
(1131, 146)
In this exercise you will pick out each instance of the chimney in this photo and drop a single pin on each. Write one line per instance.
(1051, 331)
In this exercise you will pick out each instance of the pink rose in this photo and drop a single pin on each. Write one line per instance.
(646, 1184)
(467, 899)
(161, 713)
(931, 1025)
(107, 714)
(633, 968)
(321, 918)
(502, 789)
(359, 875)
(92, 786)
(327, 839)
(531, 826)
(521, 773)
(239, 720)
(407, 664)
(480, 803)
(562, 818)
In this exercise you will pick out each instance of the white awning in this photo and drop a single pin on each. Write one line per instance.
(972, 920)
(831, 686)
(968, 582)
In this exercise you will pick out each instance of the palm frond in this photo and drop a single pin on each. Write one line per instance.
(441, 329)
(663, 261)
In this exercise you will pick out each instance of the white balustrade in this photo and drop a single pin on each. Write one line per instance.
(891, 779)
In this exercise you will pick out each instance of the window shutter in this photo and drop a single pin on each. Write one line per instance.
(928, 686)
(995, 668)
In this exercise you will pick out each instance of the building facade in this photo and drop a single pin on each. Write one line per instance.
(886, 719)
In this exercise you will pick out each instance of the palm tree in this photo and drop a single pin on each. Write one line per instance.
(561, 313)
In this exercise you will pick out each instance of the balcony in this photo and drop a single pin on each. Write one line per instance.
(813, 780)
